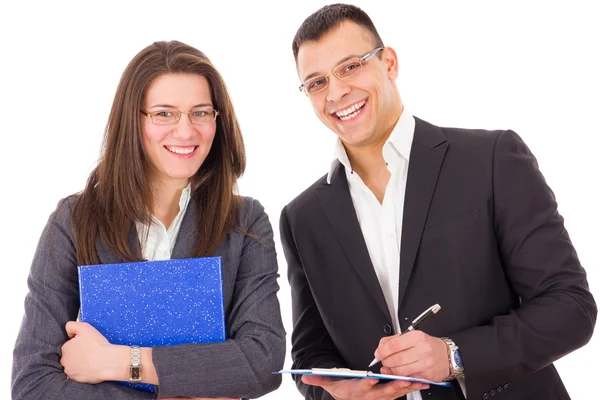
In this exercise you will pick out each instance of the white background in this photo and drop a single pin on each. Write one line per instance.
(528, 66)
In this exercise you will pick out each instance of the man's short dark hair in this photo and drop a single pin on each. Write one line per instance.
(329, 17)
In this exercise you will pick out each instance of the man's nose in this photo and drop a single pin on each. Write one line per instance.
(336, 89)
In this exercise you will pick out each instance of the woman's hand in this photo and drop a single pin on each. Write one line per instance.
(89, 358)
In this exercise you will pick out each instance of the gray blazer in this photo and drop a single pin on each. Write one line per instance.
(241, 366)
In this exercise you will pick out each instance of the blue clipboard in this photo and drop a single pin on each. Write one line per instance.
(351, 373)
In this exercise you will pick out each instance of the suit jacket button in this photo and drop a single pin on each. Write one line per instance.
(387, 328)
(485, 396)
(506, 386)
(492, 392)
(499, 389)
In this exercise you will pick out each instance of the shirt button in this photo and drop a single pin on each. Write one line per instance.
(387, 328)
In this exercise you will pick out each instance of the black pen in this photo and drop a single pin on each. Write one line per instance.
(417, 322)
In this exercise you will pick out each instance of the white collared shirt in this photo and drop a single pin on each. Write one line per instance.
(156, 241)
(381, 223)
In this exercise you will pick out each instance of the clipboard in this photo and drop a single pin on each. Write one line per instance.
(352, 373)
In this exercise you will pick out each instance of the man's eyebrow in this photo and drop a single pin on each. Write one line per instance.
(343, 60)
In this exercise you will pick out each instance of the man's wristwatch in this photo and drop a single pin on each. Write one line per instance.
(456, 364)
(135, 365)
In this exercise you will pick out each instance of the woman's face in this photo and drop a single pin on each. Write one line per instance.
(177, 149)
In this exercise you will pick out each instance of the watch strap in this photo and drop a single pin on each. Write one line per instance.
(455, 369)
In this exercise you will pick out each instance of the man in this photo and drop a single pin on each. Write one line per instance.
(411, 215)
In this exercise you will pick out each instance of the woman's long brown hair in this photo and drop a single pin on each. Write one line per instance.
(119, 190)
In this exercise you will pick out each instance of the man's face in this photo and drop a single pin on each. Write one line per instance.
(359, 109)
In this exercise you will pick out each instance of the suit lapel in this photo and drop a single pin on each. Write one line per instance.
(341, 215)
(108, 257)
(426, 156)
(185, 242)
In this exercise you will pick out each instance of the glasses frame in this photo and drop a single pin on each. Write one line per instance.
(366, 58)
(178, 116)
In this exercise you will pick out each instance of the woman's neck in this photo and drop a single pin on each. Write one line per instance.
(166, 200)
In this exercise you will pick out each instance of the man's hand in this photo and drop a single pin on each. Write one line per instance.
(88, 357)
(414, 354)
(363, 389)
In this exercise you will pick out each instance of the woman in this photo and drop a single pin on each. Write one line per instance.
(164, 188)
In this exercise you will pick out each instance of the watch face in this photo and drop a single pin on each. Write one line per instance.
(457, 359)
(135, 374)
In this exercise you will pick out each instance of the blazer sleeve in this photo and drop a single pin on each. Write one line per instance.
(243, 365)
(557, 313)
(312, 346)
(52, 301)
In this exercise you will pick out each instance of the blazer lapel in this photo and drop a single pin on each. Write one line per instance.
(341, 215)
(426, 156)
(185, 242)
(108, 257)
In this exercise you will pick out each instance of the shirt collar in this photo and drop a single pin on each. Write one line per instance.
(398, 144)
(186, 194)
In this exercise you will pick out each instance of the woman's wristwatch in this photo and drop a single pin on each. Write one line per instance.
(135, 365)
(456, 364)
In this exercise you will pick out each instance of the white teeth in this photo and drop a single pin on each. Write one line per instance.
(351, 111)
(347, 117)
(180, 150)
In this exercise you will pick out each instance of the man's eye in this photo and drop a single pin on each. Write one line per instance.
(316, 83)
(351, 67)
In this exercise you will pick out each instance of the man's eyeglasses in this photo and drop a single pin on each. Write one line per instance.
(344, 70)
(171, 117)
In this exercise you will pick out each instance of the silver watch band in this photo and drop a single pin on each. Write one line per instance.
(456, 368)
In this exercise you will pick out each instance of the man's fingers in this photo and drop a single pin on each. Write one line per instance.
(366, 383)
(330, 384)
(314, 380)
(399, 388)
(398, 343)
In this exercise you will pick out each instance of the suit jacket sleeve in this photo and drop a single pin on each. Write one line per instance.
(311, 344)
(243, 365)
(52, 301)
(557, 312)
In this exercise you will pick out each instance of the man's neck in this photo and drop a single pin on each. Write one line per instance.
(368, 162)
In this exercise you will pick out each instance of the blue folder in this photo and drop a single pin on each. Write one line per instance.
(154, 303)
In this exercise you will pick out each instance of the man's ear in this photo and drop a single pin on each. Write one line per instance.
(391, 60)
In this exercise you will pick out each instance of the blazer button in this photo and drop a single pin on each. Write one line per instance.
(492, 392)
(485, 396)
(499, 389)
(387, 328)
(506, 386)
